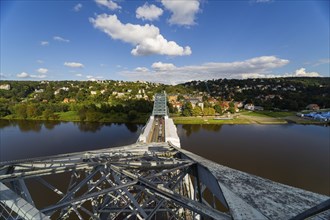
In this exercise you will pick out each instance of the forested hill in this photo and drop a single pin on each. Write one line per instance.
(280, 93)
(113, 101)
(106, 100)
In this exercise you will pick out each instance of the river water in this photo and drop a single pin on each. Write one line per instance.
(297, 155)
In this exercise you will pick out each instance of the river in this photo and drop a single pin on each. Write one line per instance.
(297, 155)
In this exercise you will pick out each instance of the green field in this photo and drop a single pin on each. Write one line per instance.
(73, 116)
(208, 120)
(268, 114)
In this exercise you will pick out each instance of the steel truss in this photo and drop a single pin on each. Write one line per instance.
(140, 182)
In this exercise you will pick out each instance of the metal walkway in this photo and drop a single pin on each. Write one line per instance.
(146, 181)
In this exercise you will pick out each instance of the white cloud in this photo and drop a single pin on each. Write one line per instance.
(74, 64)
(141, 69)
(159, 66)
(93, 78)
(79, 75)
(77, 7)
(148, 12)
(23, 75)
(298, 73)
(61, 39)
(42, 70)
(38, 76)
(40, 61)
(44, 43)
(322, 61)
(146, 39)
(261, 1)
(3, 76)
(108, 3)
(170, 74)
(183, 12)
(302, 73)
(26, 75)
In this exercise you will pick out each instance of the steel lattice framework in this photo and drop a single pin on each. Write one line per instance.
(136, 182)
(160, 105)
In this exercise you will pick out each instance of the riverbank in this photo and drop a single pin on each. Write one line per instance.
(245, 117)
(262, 117)
(73, 116)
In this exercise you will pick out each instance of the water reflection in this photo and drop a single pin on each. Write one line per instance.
(4, 123)
(36, 126)
(50, 125)
(89, 126)
(28, 139)
(190, 129)
(132, 127)
(27, 125)
(297, 155)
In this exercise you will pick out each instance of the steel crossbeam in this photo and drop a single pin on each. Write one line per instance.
(154, 181)
(143, 182)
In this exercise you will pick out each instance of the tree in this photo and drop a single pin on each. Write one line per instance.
(180, 97)
(204, 98)
(82, 113)
(186, 112)
(232, 107)
(132, 115)
(20, 111)
(92, 115)
(197, 111)
(218, 109)
(31, 111)
(187, 109)
(47, 114)
(209, 111)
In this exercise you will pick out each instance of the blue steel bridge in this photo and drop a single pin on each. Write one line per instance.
(151, 179)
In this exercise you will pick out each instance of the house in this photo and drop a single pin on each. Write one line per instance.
(38, 90)
(172, 98)
(201, 105)
(93, 92)
(120, 94)
(67, 100)
(239, 104)
(193, 101)
(212, 101)
(178, 106)
(224, 105)
(5, 87)
(63, 88)
(313, 107)
(249, 107)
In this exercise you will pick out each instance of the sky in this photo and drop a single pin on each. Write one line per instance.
(166, 41)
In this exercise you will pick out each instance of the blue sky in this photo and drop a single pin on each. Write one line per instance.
(164, 41)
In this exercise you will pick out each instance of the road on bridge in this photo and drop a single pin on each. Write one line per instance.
(158, 131)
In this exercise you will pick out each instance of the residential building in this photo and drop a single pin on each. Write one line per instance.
(313, 107)
(5, 86)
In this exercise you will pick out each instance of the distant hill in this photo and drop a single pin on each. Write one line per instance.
(293, 93)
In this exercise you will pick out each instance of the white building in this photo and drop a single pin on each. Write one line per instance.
(5, 87)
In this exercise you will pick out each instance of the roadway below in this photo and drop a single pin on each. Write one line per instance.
(158, 131)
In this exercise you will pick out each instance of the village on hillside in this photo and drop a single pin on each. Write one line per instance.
(218, 98)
